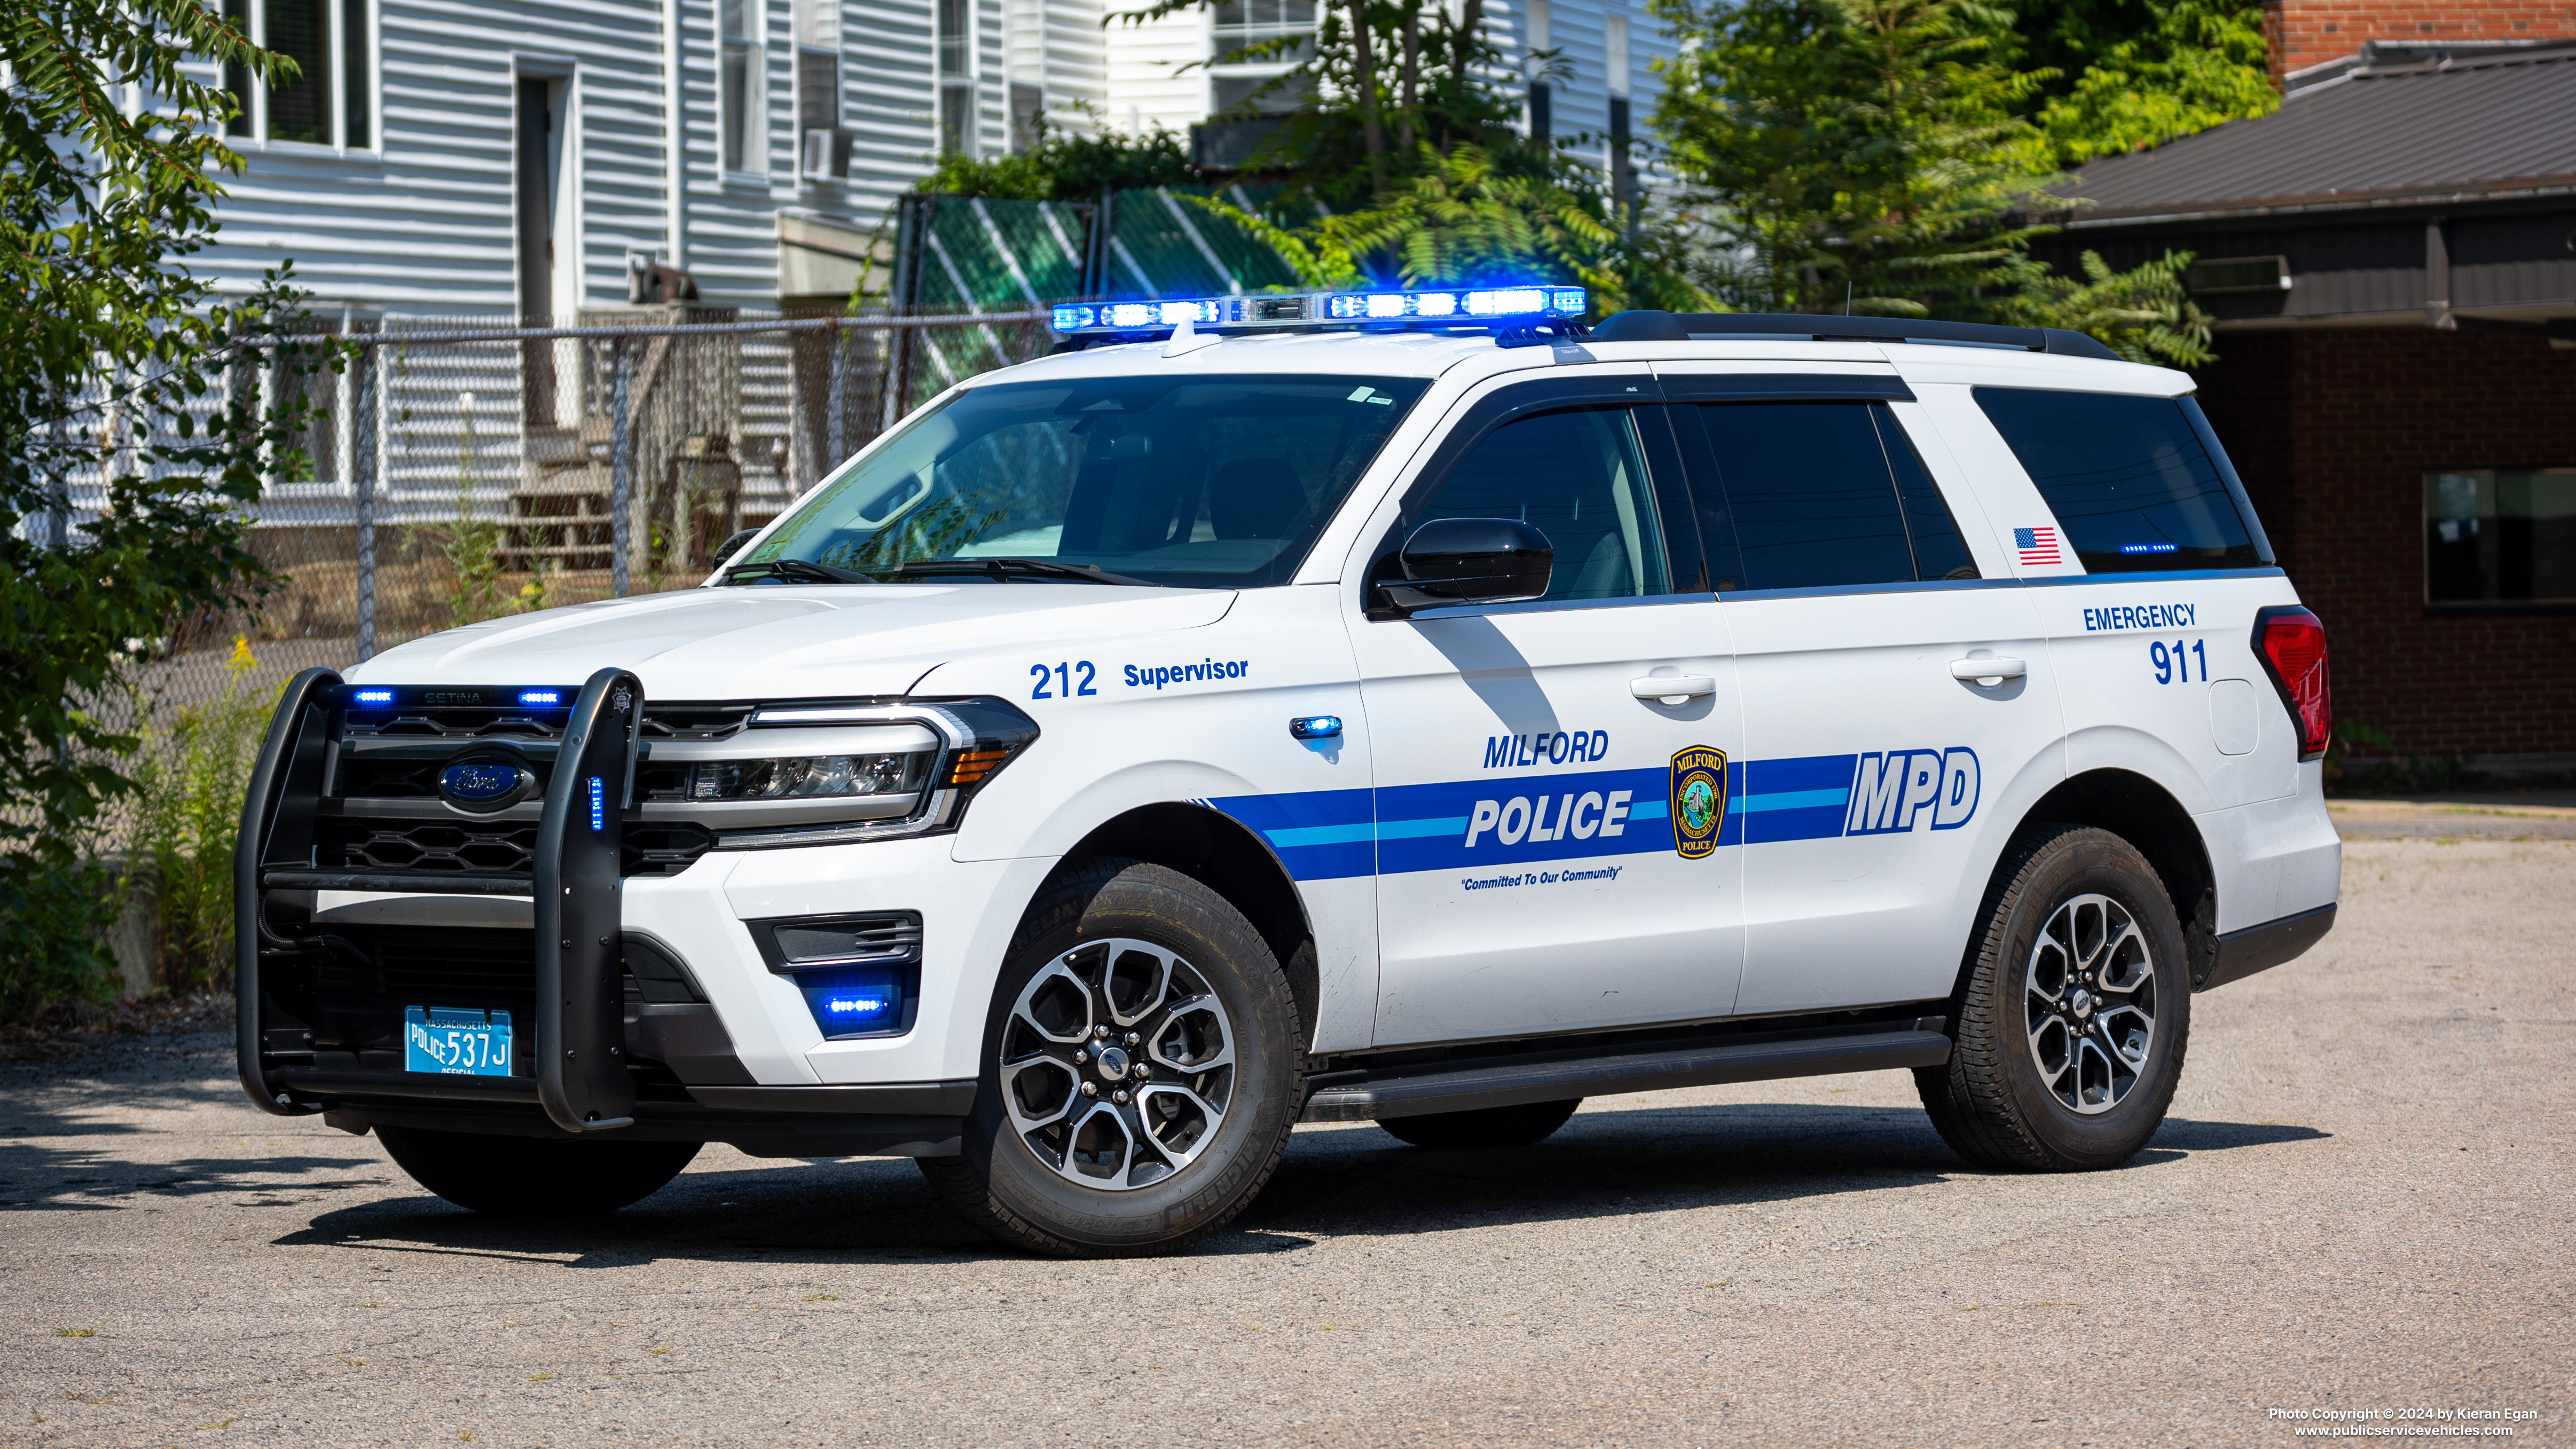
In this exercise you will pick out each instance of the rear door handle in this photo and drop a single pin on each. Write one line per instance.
(1988, 670)
(1672, 688)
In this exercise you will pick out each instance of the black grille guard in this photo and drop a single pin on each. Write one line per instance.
(581, 1078)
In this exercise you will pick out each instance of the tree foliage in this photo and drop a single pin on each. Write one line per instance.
(1066, 165)
(1849, 152)
(2200, 64)
(121, 373)
(1872, 155)
(1406, 165)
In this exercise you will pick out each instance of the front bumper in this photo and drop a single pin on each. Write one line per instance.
(642, 1005)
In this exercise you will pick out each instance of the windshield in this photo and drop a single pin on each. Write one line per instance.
(1211, 482)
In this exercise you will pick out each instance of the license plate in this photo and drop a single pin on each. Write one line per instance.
(457, 1042)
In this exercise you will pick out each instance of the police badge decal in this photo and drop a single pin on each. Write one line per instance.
(1699, 800)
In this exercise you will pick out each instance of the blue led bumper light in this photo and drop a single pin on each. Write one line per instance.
(855, 1000)
(1457, 306)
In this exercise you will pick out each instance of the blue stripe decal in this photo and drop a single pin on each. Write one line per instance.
(1328, 832)
(1582, 814)
(1788, 800)
(1417, 829)
(1322, 834)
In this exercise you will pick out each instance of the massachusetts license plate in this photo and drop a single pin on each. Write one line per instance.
(456, 1041)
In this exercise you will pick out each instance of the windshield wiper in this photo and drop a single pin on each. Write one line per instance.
(801, 570)
(1001, 568)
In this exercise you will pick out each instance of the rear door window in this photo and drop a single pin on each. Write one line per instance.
(1817, 495)
(2131, 485)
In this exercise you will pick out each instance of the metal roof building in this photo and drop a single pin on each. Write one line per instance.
(2404, 185)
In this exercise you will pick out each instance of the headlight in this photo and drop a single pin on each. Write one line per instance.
(810, 777)
(821, 772)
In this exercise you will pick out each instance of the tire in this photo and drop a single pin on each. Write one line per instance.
(1521, 1126)
(2078, 957)
(534, 1177)
(1153, 991)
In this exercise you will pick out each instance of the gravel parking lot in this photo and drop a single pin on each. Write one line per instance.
(2363, 1201)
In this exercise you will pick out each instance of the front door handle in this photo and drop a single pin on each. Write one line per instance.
(1672, 688)
(1989, 669)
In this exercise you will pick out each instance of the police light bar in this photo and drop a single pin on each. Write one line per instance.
(1447, 306)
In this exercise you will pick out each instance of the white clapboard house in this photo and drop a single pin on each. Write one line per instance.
(474, 158)
(507, 160)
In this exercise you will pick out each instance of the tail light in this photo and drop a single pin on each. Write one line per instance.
(2292, 643)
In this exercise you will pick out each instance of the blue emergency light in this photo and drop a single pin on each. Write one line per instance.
(852, 1001)
(374, 696)
(1440, 306)
(540, 696)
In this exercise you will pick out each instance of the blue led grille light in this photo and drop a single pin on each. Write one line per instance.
(374, 696)
(540, 696)
(1461, 306)
(598, 803)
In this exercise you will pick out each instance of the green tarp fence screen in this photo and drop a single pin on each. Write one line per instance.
(960, 254)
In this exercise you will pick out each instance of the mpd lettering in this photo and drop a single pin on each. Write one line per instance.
(1904, 790)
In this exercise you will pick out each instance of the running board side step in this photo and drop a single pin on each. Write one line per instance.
(1374, 1094)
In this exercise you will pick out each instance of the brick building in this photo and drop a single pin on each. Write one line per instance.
(2306, 33)
(2392, 257)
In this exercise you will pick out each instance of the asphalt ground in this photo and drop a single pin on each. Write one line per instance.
(2363, 1201)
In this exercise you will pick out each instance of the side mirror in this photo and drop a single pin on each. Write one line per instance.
(1471, 561)
(732, 546)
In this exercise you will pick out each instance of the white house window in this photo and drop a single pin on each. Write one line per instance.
(1620, 148)
(741, 103)
(956, 77)
(823, 149)
(1243, 24)
(331, 100)
(1542, 119)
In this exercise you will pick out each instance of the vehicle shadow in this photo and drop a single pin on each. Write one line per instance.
(1337, 1183)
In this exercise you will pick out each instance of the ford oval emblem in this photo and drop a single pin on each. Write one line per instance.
(482, 784)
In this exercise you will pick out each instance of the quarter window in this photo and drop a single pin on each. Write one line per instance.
(2500, 535)
(1819, 495)
(1580, 478)
(2127, 477)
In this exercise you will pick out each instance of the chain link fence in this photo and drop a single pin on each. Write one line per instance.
(461, 471)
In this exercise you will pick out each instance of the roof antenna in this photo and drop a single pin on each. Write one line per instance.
(1846, 296)
(1187, 339)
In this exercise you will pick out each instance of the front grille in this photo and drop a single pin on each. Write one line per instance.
(441, 847)
(656, 849)
(426, 965)
(661, 722)
(422, 722)
(363, 778)
(695, 721)
(437, 847)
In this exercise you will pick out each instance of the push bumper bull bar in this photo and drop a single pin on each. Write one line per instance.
(581, 1079)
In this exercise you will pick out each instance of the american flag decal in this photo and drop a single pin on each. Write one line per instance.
(2037, 545)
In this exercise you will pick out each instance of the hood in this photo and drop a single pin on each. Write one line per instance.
(790, 642)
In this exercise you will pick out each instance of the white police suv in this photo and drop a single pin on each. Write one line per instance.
(1406, 707)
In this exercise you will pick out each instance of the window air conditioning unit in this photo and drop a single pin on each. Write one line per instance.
(826, 154)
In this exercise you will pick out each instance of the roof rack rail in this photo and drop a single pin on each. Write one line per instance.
(1808, 326)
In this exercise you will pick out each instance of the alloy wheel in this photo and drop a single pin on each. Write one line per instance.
(1117, 1064)
(2089, 1003)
